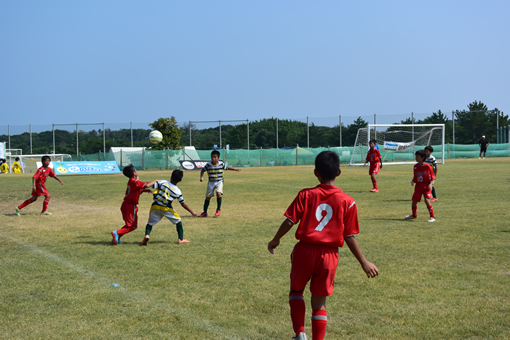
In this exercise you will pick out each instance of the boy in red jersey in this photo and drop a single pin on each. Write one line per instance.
(39, 187)
(424, 178)
(129, 207)
(328, 217)
(374, 157)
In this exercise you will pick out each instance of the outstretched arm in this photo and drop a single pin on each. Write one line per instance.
(58, 179)
(231, 168)
(369, 268)
(284, 229)
(185, 206)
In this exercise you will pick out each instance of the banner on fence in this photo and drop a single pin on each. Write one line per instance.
(193, 165)
(85, 168)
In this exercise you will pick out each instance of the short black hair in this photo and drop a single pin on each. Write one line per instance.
(215, 152)
(327, 164)
(43, 158)
(17, 159)
(421, 153)
(372, 141)
(177, 176)
(129, 170)
(429, 148)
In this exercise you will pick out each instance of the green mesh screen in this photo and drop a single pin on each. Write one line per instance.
(169, 159)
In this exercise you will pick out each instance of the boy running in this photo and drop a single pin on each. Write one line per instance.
(374, 157)
(166, 192)
(433, 163)
(129, 207)
(424, 178)
(39, 187)
(214, 169)
(328, 217)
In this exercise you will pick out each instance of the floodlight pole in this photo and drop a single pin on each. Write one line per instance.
(9, 135)
(53, 129)
(277, 133)
(248, 133)
(375, 130)
(340, 127)
(131, 134)
(307, 133)
(453, 127)
(189, 126)
(219, 122)
(77, 150)
(30, 138)
(104, 141)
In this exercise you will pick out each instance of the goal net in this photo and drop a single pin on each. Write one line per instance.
(398, 143)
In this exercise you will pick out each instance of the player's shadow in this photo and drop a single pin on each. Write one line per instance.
(406, 200)
(386, 219)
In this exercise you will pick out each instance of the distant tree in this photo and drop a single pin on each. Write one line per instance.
(171, 133)
(350, 132)
(476, 122)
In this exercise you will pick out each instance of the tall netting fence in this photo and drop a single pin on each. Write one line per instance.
(169, 159)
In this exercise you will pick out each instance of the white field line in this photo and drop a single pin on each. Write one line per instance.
(206, 325)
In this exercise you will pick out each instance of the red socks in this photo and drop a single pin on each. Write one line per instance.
(24, 204)
(431, 211)
(125, 230)
(45, 204)
(297, 311)
(415, 209)
(374, 183)
(319, 323)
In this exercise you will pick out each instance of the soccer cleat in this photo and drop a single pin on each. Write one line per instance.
(46, 213)
(410, 217)
(18, 210)
(183, 241)
(434, 200)
(374, 190)
(218, 211)
(145, 241)
(115, 238)
(204, 214)
(300, 336)
(432, 219)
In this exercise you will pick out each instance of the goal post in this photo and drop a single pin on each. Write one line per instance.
(397, 143)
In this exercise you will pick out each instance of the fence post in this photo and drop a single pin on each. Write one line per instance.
(453, 128)
(143, 158)
(260, 156)
(340, 125)
(121, 159)
(297, 148)
(168, 158)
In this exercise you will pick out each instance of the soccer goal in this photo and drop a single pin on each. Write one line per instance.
(397, 143)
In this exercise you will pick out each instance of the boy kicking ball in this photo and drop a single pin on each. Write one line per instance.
(424, 179)
(328, 217)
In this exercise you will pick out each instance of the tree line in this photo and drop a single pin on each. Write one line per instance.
(470, 125)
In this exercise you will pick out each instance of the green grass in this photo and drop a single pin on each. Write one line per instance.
(443, 280)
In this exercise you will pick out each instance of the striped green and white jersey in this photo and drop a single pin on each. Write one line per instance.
(432, 161)
(165, 193)
(215, 171)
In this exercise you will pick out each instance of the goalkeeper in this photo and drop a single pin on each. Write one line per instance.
(374, 157)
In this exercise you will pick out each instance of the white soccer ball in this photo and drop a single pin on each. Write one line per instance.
(155, 137)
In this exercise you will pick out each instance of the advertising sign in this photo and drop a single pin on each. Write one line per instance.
(193, 165)
(85, 168)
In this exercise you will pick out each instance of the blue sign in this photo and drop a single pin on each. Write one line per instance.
(85, 168)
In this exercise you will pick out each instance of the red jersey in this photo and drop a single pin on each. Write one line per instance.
(327, 215)
(373, 156)
(423, 175)
(133, 191)
(42, 174)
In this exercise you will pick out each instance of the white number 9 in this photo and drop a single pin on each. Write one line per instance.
(323, 220)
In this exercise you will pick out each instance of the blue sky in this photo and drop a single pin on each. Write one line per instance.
(137, 61)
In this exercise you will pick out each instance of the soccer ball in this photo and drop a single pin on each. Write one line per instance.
(155, 137)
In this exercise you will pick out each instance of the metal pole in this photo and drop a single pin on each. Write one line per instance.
(30, 138)
(219, 121)
(9, 135)
(190, 133)
(131, 134)
(307, 133)
(497, 123)
(104, 140)
(277, 133)
(412, 122)
(340, 125)
(453, 128)
(53, 129)
(375, 129)
(77, 139)
(248, 133)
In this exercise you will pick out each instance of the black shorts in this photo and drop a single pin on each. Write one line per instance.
(483, 149)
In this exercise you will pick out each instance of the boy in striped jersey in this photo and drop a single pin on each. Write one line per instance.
(215, 170)
(166, 192)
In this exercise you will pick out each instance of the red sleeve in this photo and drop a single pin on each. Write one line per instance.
(378, 155)
(37, 174)
(351, 223)
(52, 173)
(295, 211)
(139, 184)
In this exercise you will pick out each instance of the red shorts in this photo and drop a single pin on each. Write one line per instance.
(420, 190)
(40, 190)
(129, 214)
(314, 262)
(374, 169)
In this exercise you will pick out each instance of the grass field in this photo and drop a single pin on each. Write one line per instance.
(443, 280)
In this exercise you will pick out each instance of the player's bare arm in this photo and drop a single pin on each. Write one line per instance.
(33, 184)
(284, 229)
(185, 206)
(202, 175)
(369, 268)
(58, 179)
(234, 169)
